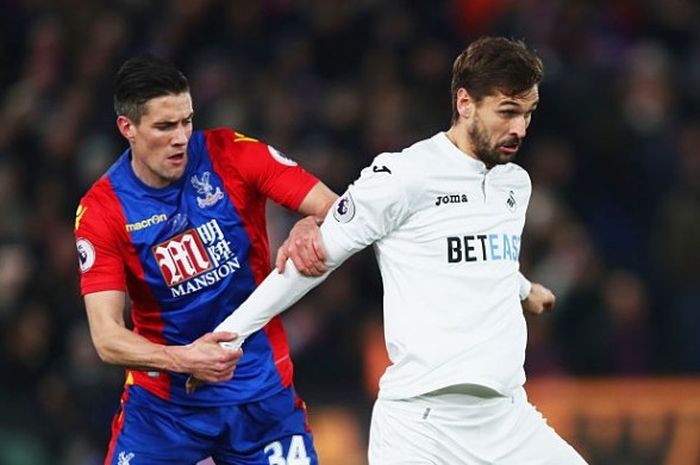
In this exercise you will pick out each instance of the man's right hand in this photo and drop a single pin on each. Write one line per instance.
(205, 359)
(304, 247)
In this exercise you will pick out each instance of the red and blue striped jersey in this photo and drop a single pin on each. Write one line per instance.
(190, 253)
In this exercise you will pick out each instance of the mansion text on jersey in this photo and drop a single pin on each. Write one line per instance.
(196, 258)
(206, 279)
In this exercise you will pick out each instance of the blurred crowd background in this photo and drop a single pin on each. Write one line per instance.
(613, 151)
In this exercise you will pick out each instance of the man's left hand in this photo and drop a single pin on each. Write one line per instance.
(539, 300)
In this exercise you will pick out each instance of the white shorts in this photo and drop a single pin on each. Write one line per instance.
(447, 428)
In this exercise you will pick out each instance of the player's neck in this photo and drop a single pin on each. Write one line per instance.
(459, 138)
(147, 176)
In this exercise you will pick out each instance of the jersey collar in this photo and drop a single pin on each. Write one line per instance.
(453, 152)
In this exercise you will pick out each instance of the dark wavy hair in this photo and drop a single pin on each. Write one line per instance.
(141, 79)
(495, 64)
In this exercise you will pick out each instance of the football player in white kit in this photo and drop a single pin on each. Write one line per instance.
(445, 217)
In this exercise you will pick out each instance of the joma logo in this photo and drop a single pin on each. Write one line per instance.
(451, 198)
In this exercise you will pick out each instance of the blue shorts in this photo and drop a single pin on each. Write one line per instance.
(150, 431)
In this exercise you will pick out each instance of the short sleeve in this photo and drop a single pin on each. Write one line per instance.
(100, 258)
(280, 178)
(264, 170)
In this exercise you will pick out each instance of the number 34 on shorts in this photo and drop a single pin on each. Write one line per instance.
(296, 454)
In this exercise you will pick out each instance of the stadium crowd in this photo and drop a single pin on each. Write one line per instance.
(613, 151)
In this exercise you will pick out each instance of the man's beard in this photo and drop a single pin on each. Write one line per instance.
(483, 150)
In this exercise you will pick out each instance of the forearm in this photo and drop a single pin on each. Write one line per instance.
(122, 347)
(274, 295)
(278, 292)
(117, 345)
(317, 201)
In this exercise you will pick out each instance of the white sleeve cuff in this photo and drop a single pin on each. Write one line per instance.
(524, 286)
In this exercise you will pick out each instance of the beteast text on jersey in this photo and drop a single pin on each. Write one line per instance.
(493, 247)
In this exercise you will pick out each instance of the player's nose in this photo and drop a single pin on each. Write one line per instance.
(519, 127)
(181, 136)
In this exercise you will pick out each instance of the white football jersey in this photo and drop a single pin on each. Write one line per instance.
(446, 232)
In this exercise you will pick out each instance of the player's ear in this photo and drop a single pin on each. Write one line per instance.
(126, 127)
(464, 103)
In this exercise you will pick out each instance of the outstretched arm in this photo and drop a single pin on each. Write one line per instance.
(280, 291)
(274, 295)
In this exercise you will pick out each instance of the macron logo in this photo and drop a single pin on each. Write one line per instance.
(147, 223)
(124, 458)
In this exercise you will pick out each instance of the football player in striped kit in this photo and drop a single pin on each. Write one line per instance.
(177, 227)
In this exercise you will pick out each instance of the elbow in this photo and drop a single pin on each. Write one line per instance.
(103, 354)
(104, 351)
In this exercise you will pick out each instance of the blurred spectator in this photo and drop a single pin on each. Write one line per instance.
(16, 265)
(631, 340)
(677, 225)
